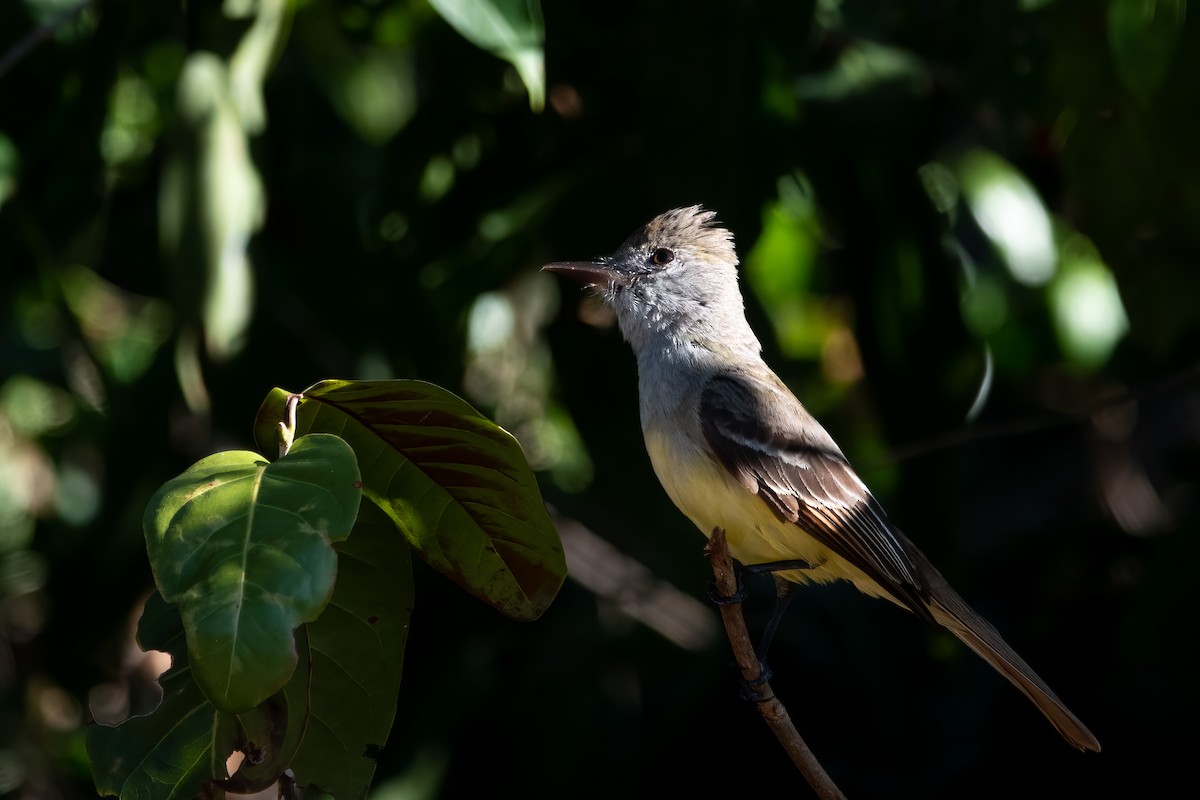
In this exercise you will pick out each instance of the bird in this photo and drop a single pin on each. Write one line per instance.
(735, 449)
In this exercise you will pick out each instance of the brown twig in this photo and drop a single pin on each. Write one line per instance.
(773, 711)
(1022, 427)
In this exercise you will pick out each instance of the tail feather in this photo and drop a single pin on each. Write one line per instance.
(952, 612)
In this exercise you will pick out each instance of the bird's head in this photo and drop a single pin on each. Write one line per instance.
(677, 274)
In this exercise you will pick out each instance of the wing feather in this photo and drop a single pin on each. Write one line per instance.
(764, 436)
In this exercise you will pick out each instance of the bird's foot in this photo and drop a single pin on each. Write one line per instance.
(740, 596)
(778, 566)
(748, 687)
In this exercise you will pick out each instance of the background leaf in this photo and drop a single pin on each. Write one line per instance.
(211, 203)
(510, 29)
(455, 483)
(1144, 36)
(244, 548)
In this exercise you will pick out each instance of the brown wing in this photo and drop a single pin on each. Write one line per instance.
(776, 449)
(762, 435)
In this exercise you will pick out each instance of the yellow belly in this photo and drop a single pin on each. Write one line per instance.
(710, 497)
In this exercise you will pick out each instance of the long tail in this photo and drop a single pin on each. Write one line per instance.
(952, 612)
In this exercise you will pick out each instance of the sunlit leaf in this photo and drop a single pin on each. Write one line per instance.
(210, 203)
(244, 548)
(132, 123)
(510, 29)
(1144, 35)
(357, 648)
(1011, 213)
(1089, 316)
(453, 481)
(249, 64)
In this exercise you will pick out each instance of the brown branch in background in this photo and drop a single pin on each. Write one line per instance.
(1031, 425)
(773, 711)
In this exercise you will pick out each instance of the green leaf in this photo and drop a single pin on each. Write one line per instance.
(244, 548)
(510, 29)
(779, 268)
(180, 748)
(453, 481)
(1085, 304)
(210, 203)
(356, 651)
(866, 68)
(167, 753)
(1144, 35)
(271, 733)
(124, 330)
(9, 168)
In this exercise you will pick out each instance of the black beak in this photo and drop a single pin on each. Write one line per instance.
(591, 273)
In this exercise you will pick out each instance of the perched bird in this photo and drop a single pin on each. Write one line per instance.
(736, 450)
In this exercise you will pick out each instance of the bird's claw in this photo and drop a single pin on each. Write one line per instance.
(714, 594)
(748, 687)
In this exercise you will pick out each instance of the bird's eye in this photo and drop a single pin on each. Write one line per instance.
(662, 256)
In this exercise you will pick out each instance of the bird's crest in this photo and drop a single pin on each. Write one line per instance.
(691, 227)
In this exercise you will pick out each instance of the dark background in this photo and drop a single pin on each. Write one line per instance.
(409, 197)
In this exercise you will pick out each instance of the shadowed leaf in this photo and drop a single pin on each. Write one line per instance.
(356, 649)
(167, 753)
(180, 748)
(1144, 35)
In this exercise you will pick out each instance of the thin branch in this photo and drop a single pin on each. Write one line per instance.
(38, 35)
(1031, 425)
(773, 712)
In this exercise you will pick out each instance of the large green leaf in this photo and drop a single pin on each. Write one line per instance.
(356, 649)
(454, 482)
(243, 547)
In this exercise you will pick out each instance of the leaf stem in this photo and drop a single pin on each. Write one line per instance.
(287, 428)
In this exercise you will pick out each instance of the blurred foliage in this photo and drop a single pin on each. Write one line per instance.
(970, 245)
